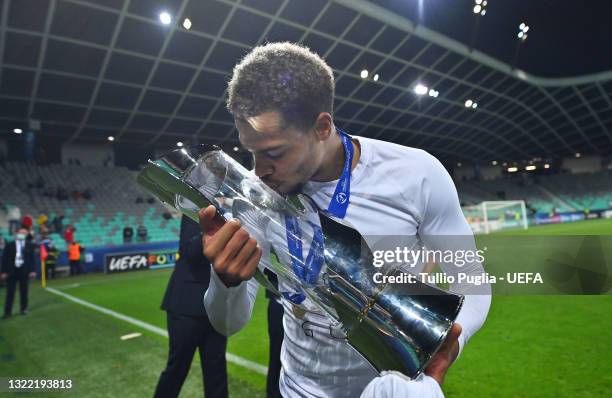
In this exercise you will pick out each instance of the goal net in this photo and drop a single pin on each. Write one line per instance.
(496, 216)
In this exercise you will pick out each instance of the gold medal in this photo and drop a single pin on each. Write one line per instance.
(299, 312)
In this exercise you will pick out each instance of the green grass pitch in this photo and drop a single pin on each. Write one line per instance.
(531, 346)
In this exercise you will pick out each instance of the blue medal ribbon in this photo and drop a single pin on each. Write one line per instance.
(342, 194)
(309, 271)
(295, 298)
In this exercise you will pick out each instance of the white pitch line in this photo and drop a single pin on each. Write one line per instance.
(66, 287)
(254, 366)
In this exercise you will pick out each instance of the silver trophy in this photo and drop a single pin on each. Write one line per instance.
(327, 264)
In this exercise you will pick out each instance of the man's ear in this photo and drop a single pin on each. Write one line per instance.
(324, 126)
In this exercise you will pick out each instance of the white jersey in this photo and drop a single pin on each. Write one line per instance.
(395, 190)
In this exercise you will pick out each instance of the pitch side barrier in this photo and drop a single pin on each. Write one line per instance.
(124, 258)
(572, 216)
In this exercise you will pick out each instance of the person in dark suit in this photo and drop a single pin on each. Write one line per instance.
(275, 335)
(188, 324)
(18, 267)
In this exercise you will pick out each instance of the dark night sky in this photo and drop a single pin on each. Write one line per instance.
(566, 37)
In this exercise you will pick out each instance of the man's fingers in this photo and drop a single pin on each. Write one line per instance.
(216, 244)
(210, 221)
(249, 269)
(245, 252)
(233, 245)
(233, 253)
(449, 347)
(204, 218)
(453, 334)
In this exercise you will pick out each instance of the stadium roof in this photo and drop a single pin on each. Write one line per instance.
(90, 69)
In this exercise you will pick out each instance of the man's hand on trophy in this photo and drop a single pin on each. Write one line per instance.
(445, 356)
(233, 253)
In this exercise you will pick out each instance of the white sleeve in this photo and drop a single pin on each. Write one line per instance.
(444, 227)
(395, 384)
(229, 308)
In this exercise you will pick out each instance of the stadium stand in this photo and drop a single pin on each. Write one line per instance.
(99, 220)
(545, 194)
(116, 201)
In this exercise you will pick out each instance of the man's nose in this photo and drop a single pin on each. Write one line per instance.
(263, 168)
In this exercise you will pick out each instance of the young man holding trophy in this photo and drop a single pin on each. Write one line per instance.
(281, 96)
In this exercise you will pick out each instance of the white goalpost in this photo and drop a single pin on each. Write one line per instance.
(500, 215)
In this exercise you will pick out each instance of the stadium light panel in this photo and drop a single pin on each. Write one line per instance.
(480, 7)
(547, 166)
(236, 149)
(364, 74)
(494, 163)
(179, 144)
(531, 167)
(111, 138)
(578, 154)
(187, 24)
(512, 169)
(376, 77)
(523, 29)
(17, 131)
(165, 18)
(420, 89)
(459, 164)
(469, 103)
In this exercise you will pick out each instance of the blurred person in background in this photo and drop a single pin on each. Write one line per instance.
(18, 267)
(128, 233)
(275, 335)
(188, 324)
(4, 222)
(57, 223)
(69, 234)
(74, 258)
(27, 222)
(49, 254)
(142, 233)
(42, 221)
(14, 216)
(52, 255)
